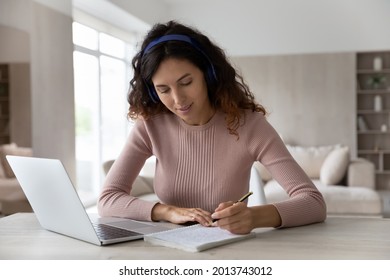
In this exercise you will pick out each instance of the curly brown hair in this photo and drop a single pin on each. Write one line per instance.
(228, 93)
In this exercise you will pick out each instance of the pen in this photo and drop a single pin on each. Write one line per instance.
(240, 200)
(244, 197)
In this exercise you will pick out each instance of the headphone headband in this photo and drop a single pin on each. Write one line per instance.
(170, 37)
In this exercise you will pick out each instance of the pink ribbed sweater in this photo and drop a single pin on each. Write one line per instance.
(201, 166)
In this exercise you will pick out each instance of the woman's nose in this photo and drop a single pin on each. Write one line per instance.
(178, 96)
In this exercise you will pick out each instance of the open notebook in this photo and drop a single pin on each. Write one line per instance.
(195, 238)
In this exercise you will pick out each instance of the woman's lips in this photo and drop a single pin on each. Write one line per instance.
(184, 109)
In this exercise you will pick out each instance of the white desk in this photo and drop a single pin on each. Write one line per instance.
(21, 237)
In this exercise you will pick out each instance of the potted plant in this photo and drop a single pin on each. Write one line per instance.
(376, 81)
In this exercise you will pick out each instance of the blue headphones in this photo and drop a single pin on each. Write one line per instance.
(211, 75)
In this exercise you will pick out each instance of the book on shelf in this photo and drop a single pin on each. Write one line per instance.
(195, 238)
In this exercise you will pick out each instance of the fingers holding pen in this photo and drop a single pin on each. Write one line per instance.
(225, 210)
(223, 205)
(234, 217)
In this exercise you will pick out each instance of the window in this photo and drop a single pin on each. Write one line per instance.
(102, 74)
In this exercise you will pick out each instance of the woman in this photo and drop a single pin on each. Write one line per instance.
(196, 115)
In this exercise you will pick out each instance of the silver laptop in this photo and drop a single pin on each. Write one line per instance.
(58, 207)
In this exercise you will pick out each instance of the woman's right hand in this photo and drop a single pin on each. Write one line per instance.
(177, 215)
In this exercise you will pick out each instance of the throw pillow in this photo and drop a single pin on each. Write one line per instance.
(4, 149)
(335, 166)
(310, 159)
(12, 149)
(264, 174)
(2, 173)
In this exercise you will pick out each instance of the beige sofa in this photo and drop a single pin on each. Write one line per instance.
(348, 186)
(12, 198)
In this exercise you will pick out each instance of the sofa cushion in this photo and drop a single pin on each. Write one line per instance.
(338, 199)
(8, 186)
(2, 172)
(264, 174)
(335, 166)
(12, 149)
(310, 158)
(141, 186)
(4, 149)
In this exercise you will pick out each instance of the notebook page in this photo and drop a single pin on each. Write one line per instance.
(194, 238)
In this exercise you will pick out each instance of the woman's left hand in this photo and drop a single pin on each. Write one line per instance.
(234, 217)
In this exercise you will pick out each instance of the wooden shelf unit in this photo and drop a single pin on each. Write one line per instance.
(373, 112)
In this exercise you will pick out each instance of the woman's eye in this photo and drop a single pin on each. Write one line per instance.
(186, 83)
(163, 90)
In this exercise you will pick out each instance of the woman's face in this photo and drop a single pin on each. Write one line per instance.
(182, 88)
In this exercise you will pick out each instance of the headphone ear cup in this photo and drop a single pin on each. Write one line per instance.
(152, 93)
(211, 76)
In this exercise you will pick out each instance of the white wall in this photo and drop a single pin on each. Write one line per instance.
(16, 14)
(14, 45)
(61, 6)
(127, 15)
(311, 97)
(53, 118)
(264, 27)
(148, 11)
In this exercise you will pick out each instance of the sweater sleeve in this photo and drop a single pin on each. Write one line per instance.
(115, 199)
(306, 204)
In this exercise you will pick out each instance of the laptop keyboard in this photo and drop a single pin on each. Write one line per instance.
(106, 232)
